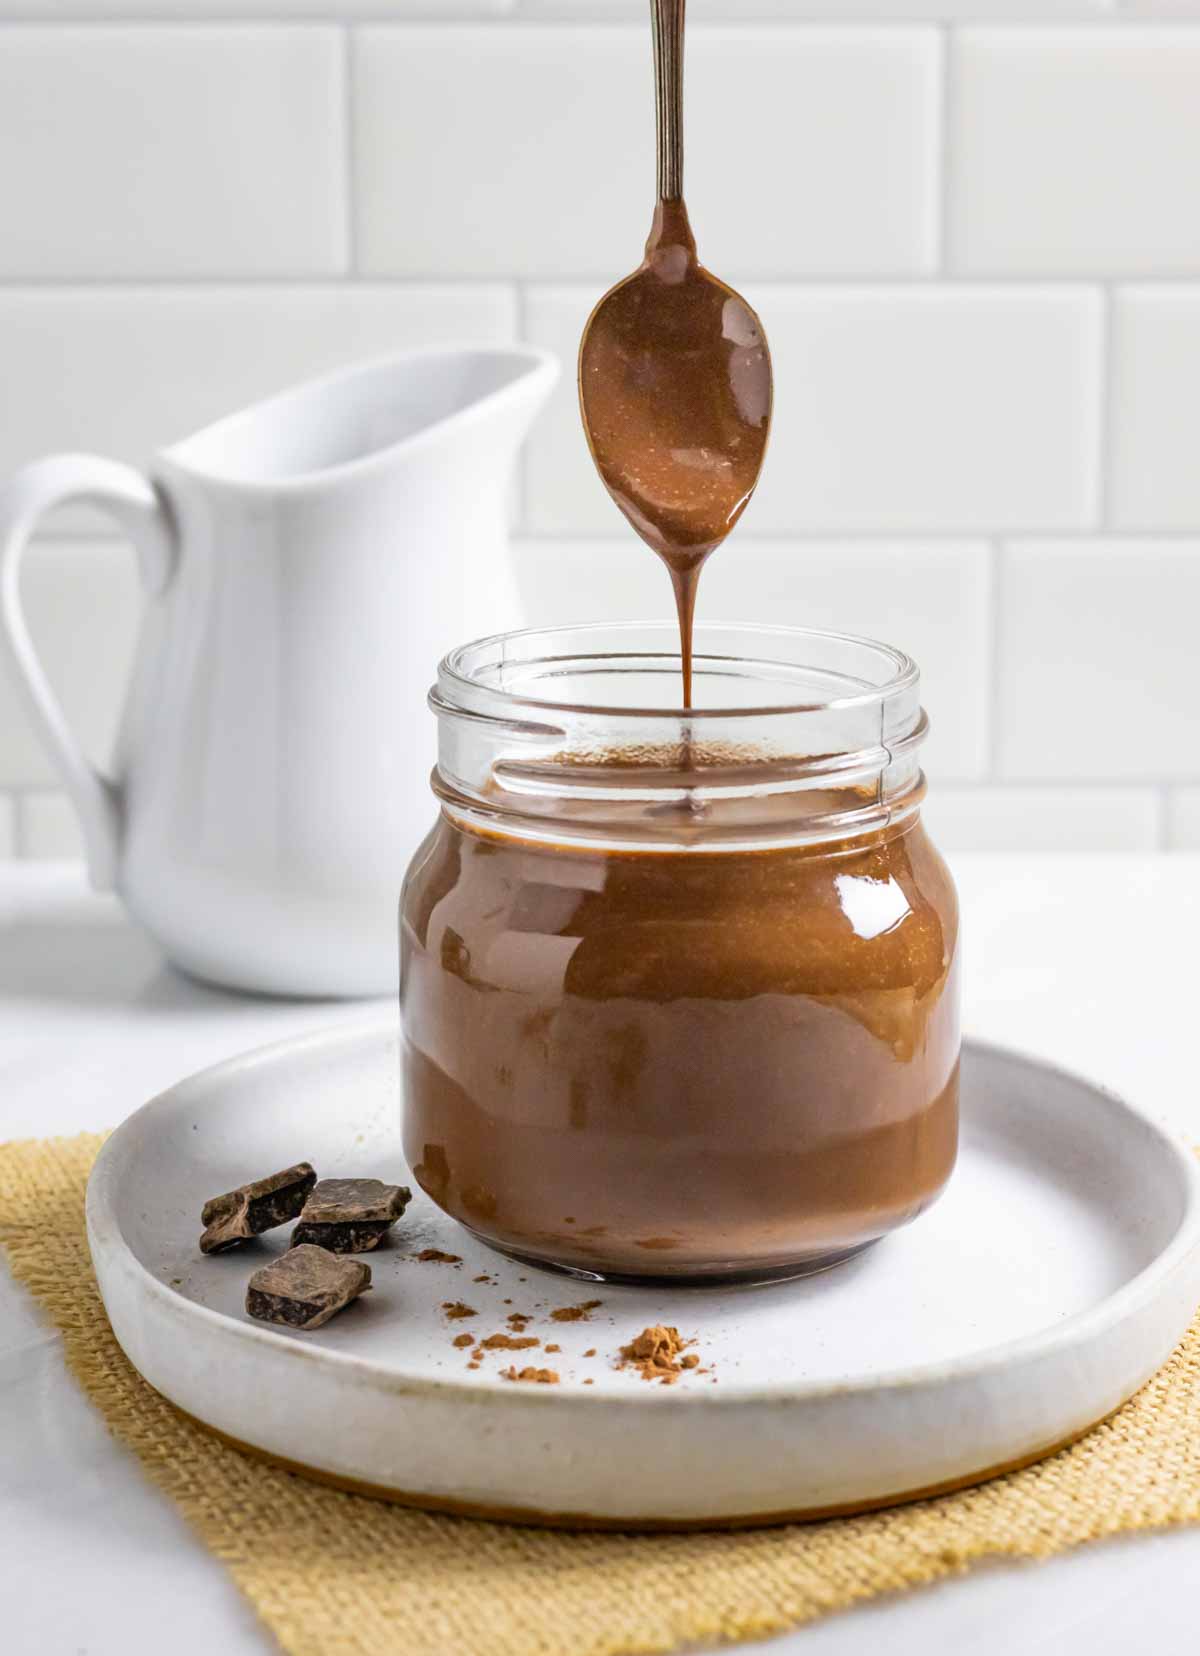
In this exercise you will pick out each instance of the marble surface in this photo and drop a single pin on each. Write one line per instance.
(1086, 960)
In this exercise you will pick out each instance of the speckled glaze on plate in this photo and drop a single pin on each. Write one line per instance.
(1055, 1275)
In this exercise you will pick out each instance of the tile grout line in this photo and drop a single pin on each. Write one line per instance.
(731, 14)
(523, 483)
(1078, 539)
(350, 154)
(1021, 284)
(943, 159)
(1106, 424)
(995, 643)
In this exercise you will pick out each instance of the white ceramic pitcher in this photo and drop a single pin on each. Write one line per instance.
(306, 562)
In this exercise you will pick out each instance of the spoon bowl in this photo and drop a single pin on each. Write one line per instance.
(675, 389)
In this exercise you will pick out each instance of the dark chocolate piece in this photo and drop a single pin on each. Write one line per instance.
(350, 1215)
(358, 1237)
(304, 1287)
(254, 1208)
(347, 1201)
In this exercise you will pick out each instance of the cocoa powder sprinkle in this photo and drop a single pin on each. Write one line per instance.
(456, 1310)
(541, 1377)
(656, 1354)
(435, 1256)
(506, 1342)
(464, 1340)
(575, 1313)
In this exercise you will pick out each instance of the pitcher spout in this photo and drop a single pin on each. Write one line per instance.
(414, 407)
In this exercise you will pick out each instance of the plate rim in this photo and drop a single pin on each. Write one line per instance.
(1142, 1289)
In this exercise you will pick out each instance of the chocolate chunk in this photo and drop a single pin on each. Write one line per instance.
(304, 1287)
(254, 1208)
(342, 1201)
(343, 1239)
(350, 1215)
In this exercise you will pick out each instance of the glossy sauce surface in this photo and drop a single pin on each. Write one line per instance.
(687, 1064)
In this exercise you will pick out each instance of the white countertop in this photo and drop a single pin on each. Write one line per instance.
(1090, 961)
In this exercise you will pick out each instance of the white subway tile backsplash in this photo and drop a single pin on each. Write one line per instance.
(1043, 819)
(1075, 150)
(1183, 819)
(173, 151)
(48, 828)
(930, 600)
(1155, 478)
(192, 190)
(1097, 668)
(124, 371)
(82, 602)
(809, 150)
(897, 409)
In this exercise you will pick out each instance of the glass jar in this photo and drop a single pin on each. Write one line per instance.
(679, 991)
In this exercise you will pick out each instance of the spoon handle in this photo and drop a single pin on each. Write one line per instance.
(667, 19)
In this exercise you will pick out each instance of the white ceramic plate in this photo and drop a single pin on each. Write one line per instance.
(1055, 1275)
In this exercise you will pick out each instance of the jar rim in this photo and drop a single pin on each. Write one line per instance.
(466, 667)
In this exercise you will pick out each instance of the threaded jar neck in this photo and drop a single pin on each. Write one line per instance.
(575, 734)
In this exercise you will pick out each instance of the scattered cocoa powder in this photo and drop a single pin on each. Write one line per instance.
(435, 1256)
(472, 1365)
(575, 1313)
(590, 1352)
(464, 1339)
(456, 1310)
(505, 1342)
(656, 1354)
(518, 1320)
(484, 1278)
(542, 1377)
(689, 1362)
(589, 1382)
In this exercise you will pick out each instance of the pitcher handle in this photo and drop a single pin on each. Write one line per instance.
(132, 500)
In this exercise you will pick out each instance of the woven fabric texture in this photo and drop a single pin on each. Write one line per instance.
(332, 1574)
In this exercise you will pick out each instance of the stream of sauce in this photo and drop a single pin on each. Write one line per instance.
(675, 386)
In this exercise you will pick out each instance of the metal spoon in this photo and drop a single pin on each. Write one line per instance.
(674, 373)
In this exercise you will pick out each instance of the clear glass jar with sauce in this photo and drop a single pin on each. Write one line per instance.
(679, 990)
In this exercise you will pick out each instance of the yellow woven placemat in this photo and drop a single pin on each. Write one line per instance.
(341, 1575)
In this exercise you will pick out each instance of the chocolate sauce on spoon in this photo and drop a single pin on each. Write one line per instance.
(675, 375)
